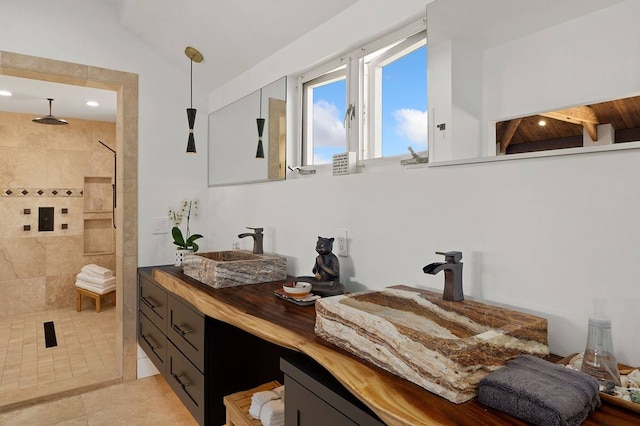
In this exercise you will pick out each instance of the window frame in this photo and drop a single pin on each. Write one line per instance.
(372, 134)
(358, 127)
(307, 106)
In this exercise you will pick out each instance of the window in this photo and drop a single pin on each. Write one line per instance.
(375, 103)
(324, 102)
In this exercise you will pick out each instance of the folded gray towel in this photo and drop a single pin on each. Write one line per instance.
(540, 392)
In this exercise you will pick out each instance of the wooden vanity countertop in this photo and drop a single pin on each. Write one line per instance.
(255, 309)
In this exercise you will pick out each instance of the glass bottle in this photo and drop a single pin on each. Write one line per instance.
(599, 357)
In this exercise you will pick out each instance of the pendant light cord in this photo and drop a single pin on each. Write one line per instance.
(260, 103)
(191, 79)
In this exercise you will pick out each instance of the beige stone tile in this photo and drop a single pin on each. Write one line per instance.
(75, 137)
(47, 413)
(67, 168)
(13, 219)
(102, 162)
(134, 400)
(60, 292)
(9, 133)
(64, 255)
(104, 131)
(79, 421)
(22, 168)
(21, 258)
(20, 295)
(132, 392)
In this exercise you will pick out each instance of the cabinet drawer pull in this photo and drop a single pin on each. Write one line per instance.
(180, 330)
(149, 342)
(149, 302)
(180, 382)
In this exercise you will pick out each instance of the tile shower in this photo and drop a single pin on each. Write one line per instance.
(65, 170)
(63, 167)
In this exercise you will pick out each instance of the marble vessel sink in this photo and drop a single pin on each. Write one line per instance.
(230, 268)
(444, 347)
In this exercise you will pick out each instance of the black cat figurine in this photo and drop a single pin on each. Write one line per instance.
(327, 267)
(326, 279)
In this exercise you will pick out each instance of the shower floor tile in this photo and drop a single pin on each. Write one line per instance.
(85, 353)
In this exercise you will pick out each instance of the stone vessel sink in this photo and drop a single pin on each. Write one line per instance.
(444, 347)
(230, 268)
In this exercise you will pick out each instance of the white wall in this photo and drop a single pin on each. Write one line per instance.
(88, 32)
(588, 60)
(544, 235)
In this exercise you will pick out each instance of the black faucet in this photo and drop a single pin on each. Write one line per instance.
(257, 239)
(452, 274)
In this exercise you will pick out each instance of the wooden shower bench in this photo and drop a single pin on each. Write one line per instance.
(97, 297)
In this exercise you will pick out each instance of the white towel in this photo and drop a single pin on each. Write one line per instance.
(272, 413)
(92, 279)
(258, 400)
(280, 391)
(98, 270)
(93, 288)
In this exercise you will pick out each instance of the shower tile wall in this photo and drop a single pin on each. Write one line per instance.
(46, 166)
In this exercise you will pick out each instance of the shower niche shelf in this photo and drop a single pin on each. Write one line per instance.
(98, 194)
(99, 237)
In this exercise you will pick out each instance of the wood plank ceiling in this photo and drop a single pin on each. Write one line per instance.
(567, 125)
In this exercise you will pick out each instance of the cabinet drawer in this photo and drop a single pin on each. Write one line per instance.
(303, 408)
(185, 328)
(153, 302)
(313, 393)
(186, 381)
(153, 342)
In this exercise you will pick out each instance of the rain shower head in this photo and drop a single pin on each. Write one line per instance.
(50, 119)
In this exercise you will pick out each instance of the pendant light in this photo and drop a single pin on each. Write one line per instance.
(260, 123)
(50, 119)
(193, 55)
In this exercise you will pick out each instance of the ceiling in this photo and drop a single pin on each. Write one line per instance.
(233, 36)
(69, 101)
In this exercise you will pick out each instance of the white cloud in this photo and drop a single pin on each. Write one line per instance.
(321, 159)
(328, 129)
(412, 124)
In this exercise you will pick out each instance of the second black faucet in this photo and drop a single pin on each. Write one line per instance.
(257, 239)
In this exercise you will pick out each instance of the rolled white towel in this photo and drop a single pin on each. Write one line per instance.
(280, 391)
(258, 400)
(272, 413)
(92, 279)
(95, 289)
(98, 270)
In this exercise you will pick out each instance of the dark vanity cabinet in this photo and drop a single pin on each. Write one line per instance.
(313, 396)
(172, 333)
(201, 358)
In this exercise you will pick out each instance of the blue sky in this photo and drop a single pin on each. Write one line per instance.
(404, 112)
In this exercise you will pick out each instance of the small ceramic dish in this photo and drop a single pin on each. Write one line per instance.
(297, 290)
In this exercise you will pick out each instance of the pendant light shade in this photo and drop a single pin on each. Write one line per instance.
(194, 56)
(191, 117)
(260, 122)
(260, 150)
(50, 119)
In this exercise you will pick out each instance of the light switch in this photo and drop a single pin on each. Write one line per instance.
(160, 225)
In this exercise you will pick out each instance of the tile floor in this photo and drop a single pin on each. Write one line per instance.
(84, 355)
(84, 359)
(148, 401)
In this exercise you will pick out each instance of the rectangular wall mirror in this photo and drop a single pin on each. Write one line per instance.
(515, 76)
(233, 138)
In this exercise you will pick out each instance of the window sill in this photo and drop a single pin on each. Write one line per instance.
(540, 154)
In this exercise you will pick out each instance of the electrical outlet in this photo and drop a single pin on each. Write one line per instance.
(160, 225)
(341, 243)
